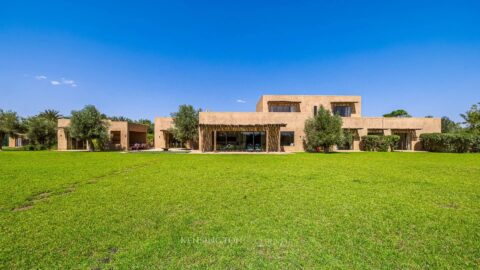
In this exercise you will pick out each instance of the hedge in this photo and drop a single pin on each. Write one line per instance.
(450, 142)
(380, 143)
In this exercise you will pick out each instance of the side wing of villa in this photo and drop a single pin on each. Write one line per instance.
(123, 135)
(279, 120)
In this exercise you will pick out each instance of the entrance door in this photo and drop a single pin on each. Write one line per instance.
(254, 141)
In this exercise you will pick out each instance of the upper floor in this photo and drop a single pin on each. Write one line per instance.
(345, 106)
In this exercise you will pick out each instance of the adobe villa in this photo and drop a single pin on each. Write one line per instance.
(278, 125)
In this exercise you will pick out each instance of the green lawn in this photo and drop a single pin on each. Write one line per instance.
(127, 211)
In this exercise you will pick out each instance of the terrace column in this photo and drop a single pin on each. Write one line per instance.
(124, 139)
(200, 139)
(361, 132)
(215, 141)
(267, 142)
(277, 131)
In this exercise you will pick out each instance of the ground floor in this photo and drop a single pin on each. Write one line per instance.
(284, 132)
(249, 138)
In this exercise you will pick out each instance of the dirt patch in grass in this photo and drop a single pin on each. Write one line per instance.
(22, 208)
(31, 201)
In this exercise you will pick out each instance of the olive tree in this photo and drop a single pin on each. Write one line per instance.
(185, 124)
(449, 126)
(88, 124)
(42, 130)
(472, 119)
(323, 130)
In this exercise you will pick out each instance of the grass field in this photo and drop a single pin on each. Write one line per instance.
(145, 211)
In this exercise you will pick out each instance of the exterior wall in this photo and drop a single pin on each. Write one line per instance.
(62, 139)
(161, 124)
(307, 102)
(121, 127)
(11, 141)
(259, 107)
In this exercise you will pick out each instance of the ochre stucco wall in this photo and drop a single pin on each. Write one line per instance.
(161, 124)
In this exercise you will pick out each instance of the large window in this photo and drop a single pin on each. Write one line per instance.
(287, 138)
(344, 111)
(283, 108)
(241, 141)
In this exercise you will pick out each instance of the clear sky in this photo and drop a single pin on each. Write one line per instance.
(142, 59)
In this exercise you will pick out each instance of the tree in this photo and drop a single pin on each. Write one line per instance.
(323, 130)
(148, 123)
(472, 118)
(120, 118)
(448, 126)
(185, 123)
(9, 124)
(51, 115)
(88, 124)
(42, 130)
(397, 113)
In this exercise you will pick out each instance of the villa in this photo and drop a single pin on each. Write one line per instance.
(277, 125)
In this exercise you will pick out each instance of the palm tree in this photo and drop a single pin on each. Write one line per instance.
(49, 114)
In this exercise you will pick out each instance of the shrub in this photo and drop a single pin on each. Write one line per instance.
(392, 141)
(374, 143)
(99, 144)
(380, 143)
(34, 147)
(450, 142)
(476, 144)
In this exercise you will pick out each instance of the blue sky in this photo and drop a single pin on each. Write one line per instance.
(142, 59)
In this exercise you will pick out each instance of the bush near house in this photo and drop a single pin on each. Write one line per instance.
(476, 144)
(450, 142)
(380, 143)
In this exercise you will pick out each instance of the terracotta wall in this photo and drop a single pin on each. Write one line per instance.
(12, 141)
